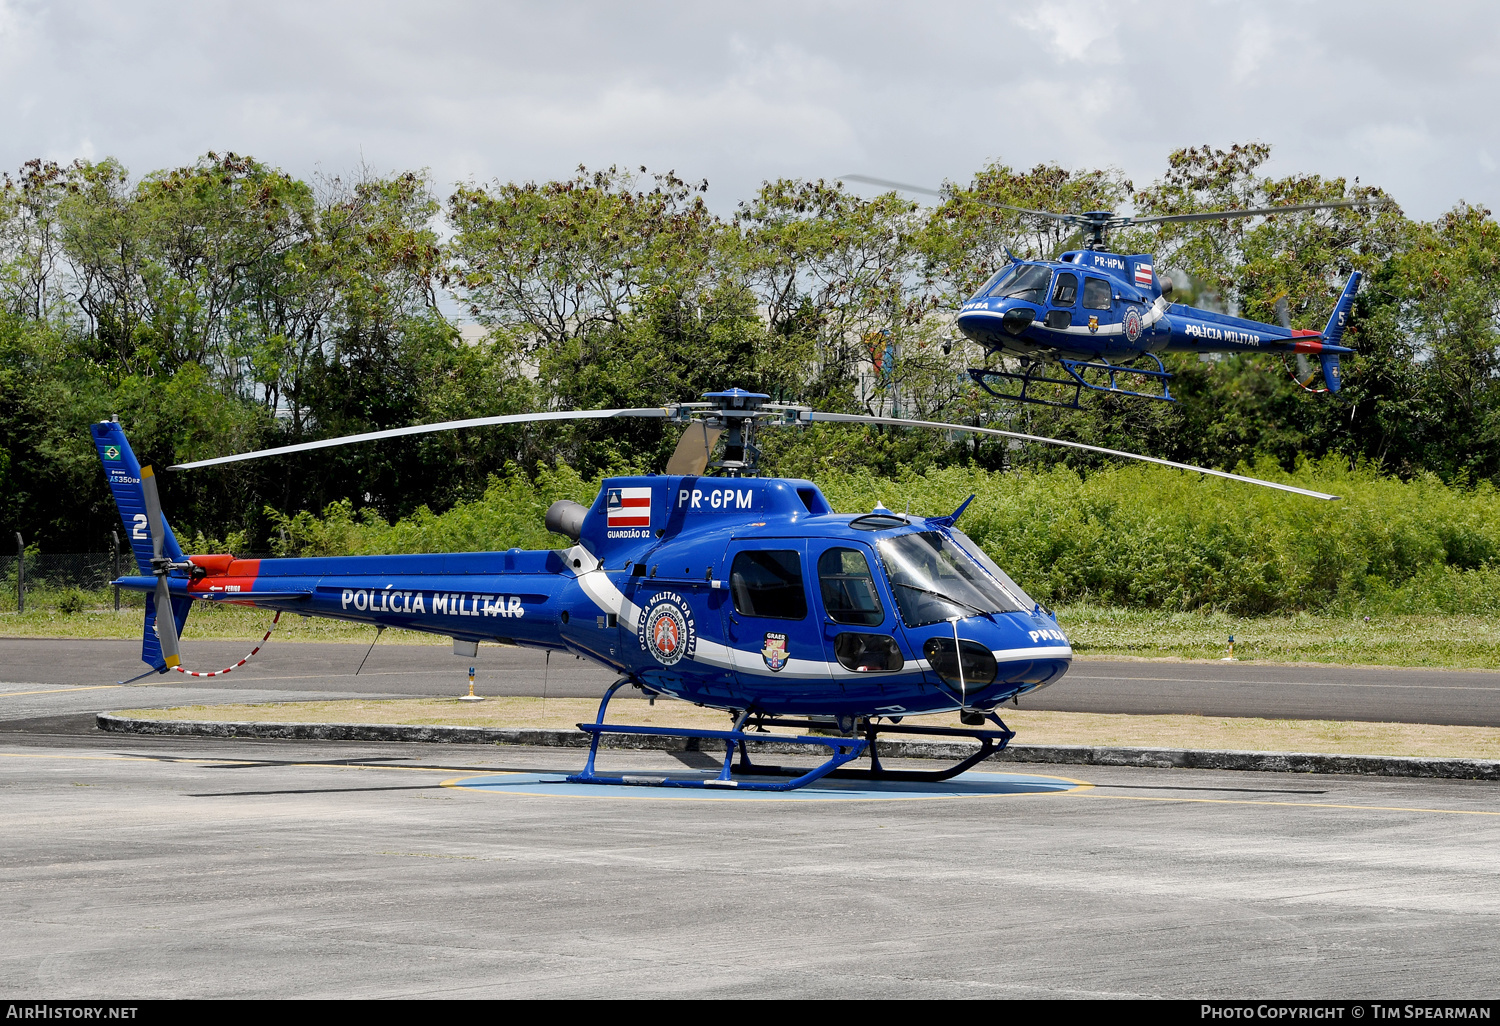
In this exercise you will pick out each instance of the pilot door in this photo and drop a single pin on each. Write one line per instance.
(1063, 307)
(768, 618)
(1098, 308)
(862, 636)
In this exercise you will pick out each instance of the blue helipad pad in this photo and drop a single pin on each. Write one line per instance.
(967, 785)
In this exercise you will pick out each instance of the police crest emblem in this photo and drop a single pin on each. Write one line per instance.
(1093, 325)
(774, 651)
(1132, 324)
(666, 628)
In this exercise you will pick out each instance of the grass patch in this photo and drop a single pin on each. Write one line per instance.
(1032, 726)
(1453, 642)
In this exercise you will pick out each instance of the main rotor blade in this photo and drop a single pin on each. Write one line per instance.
(904, 187)
(866, 179)
(851, 418)
(421, 429)
(155, 524)
(1065, 218)
(166, 623)
(1220, 215)
(690, 458)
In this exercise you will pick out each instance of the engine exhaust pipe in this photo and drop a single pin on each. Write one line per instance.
(565, 517)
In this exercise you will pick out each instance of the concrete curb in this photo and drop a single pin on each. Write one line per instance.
(1074, 755)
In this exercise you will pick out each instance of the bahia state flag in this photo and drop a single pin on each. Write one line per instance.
(629, 507)
(1143, 275)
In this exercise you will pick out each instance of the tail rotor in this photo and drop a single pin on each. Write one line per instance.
(162, 566)
(1306, 372)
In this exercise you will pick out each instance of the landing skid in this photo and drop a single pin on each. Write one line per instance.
(841, 750)
(1080, 375)
(990, 742)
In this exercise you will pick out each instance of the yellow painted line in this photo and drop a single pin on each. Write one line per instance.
(79, 758)
(129, 758)
(458, 781)
(373, 766)
(1291, 805)
(59, 691)
(237, 762)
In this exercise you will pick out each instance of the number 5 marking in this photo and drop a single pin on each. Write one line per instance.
(139, 533)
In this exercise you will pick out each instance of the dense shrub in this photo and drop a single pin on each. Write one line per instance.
(1134, 536)
(508, 515)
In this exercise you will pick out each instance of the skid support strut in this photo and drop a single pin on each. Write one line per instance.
(990, 742)
(840, 751)
(1078, 376)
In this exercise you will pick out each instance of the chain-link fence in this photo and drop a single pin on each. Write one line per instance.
(69, 581)
(89, 571)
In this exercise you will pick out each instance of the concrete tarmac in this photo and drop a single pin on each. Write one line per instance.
(167, 867)
(308, 670)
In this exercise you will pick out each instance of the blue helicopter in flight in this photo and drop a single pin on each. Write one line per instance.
(732, 591)
(1091, 319)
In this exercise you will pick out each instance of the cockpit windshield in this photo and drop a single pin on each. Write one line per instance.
(1000, 278)
(1029, 283)
(934, 579)
(1011, 587)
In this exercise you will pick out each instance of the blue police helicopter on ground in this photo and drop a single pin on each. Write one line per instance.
(1091, 319)
(732, 591)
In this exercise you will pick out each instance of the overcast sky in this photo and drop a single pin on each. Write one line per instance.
(1402, 95)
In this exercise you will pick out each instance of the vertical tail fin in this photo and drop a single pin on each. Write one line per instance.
(1333, 334)
(123, 473)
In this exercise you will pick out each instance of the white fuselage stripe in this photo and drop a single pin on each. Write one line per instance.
(1157, 310)
(603, 593)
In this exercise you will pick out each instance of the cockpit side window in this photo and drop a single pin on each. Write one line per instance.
(1065, 292)
(1096, 294)
(849, 588)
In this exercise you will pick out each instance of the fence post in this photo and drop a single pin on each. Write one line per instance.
(20, 574)
(114, 552)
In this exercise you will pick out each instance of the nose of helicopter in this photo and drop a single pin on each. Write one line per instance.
(1008, 655)
(994, 322)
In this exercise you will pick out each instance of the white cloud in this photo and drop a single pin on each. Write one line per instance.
(741, 92)
(1253, 47)
(1075, 31)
